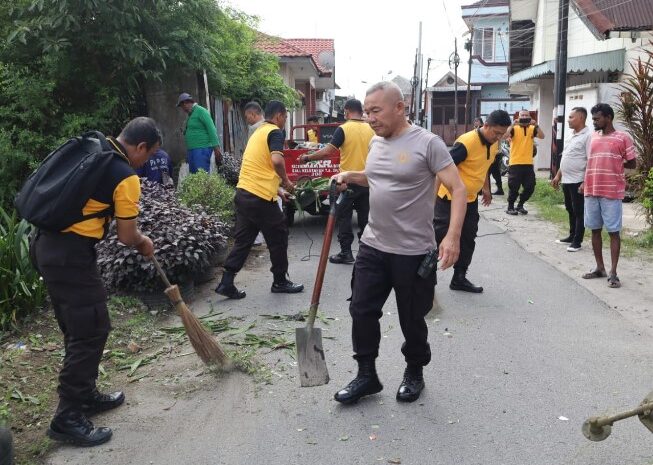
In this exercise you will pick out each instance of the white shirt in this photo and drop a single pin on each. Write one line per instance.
(574, 156)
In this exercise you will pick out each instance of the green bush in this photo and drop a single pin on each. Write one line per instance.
(21, 288)
(210, 191)
(646, 196)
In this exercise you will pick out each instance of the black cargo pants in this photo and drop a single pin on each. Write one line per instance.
(441, 219)
(358, 199)
(376, 273)
(67, 263)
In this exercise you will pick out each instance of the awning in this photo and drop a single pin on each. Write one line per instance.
(603, 61)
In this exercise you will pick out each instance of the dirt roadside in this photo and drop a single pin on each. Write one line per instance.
(634, 300)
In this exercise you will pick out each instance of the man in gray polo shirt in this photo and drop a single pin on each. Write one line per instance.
(572, 174)
(402, 164)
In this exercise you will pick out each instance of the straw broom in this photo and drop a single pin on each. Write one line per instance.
(204, 344)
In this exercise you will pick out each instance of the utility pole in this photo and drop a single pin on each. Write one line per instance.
(426, 87)
(468, 96)
(420, 66)
(413, 86)
(454, 60)
(560, 90)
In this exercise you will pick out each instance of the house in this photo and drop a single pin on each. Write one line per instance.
(406, 89)
(489, 26)
(603, 38)
(441, 105)
(308, 66)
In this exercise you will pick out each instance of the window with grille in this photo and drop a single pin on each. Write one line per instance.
(483, 44)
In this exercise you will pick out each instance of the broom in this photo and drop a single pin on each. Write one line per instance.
(204, 344)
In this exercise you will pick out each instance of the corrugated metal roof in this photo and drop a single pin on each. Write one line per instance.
(604, 61)
(603, 16)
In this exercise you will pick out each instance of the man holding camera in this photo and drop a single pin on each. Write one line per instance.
(521, 173)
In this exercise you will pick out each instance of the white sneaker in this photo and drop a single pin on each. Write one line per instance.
(573, 248)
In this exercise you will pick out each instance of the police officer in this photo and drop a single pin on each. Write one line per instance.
(67, 262)
(261, 172)
(473, 153)
(521, 173)
(400, 172)
(353, 140)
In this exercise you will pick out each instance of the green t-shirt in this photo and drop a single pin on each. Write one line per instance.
(200, 131)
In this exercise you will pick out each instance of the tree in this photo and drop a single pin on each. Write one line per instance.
(70, 65)
(636, 110)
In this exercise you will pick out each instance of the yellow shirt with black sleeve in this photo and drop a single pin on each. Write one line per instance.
(352, 138)
(522, 141)
(257, 174)
(119, 188)
(473, 156)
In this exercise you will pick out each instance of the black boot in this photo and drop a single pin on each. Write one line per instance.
(412, 385)
(99, 402)
(521, 209)
(227, 288)
(74, 428)
(345, 256)
(499, 190)
(459, 282)
(365, 383)
(282, 285)
(511, 209)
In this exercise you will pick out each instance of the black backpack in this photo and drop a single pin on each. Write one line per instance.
(54, 196)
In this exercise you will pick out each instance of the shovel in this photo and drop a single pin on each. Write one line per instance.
(310, 355)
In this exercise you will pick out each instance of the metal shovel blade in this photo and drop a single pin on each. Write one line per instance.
(310, 357)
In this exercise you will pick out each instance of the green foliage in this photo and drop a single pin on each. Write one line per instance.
(646, 196)
(636, 110)
(21, 288)
(67, 66)
(210, 191)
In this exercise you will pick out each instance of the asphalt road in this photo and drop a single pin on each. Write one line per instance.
(515, 372)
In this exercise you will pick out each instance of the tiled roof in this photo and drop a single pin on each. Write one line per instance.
(297, 48)
(279, 47)
(603, 16)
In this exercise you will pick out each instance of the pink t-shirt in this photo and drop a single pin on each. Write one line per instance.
(604, 176)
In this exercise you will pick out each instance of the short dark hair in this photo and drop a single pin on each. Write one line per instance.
(354, 105)
(479, 119)
(313, 118)
(499, 118)
(141, 129)
(253, 106)
(604, 109)
(273, 108)
(580, 110)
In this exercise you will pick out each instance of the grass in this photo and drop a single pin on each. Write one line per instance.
(550, 205)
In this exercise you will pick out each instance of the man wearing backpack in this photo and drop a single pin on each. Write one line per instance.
(67, 261)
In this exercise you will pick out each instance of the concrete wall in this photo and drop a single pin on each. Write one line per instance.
(161, 99)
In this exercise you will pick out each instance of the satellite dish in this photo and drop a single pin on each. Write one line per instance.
(327, 58)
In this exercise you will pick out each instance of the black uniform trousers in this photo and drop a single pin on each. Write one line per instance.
(441, 218)
(376, 273)
(254, 214)
(358, 199)
(67, 263)
(575, 205)
(520, 176)
(495, 171)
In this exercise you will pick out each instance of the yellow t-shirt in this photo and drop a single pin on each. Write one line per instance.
(257, 174)
(474, 168)
(522, 141)
(120, 188)
(353, 151)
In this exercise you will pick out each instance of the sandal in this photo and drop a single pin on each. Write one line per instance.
(595, 274)
(613, 281)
